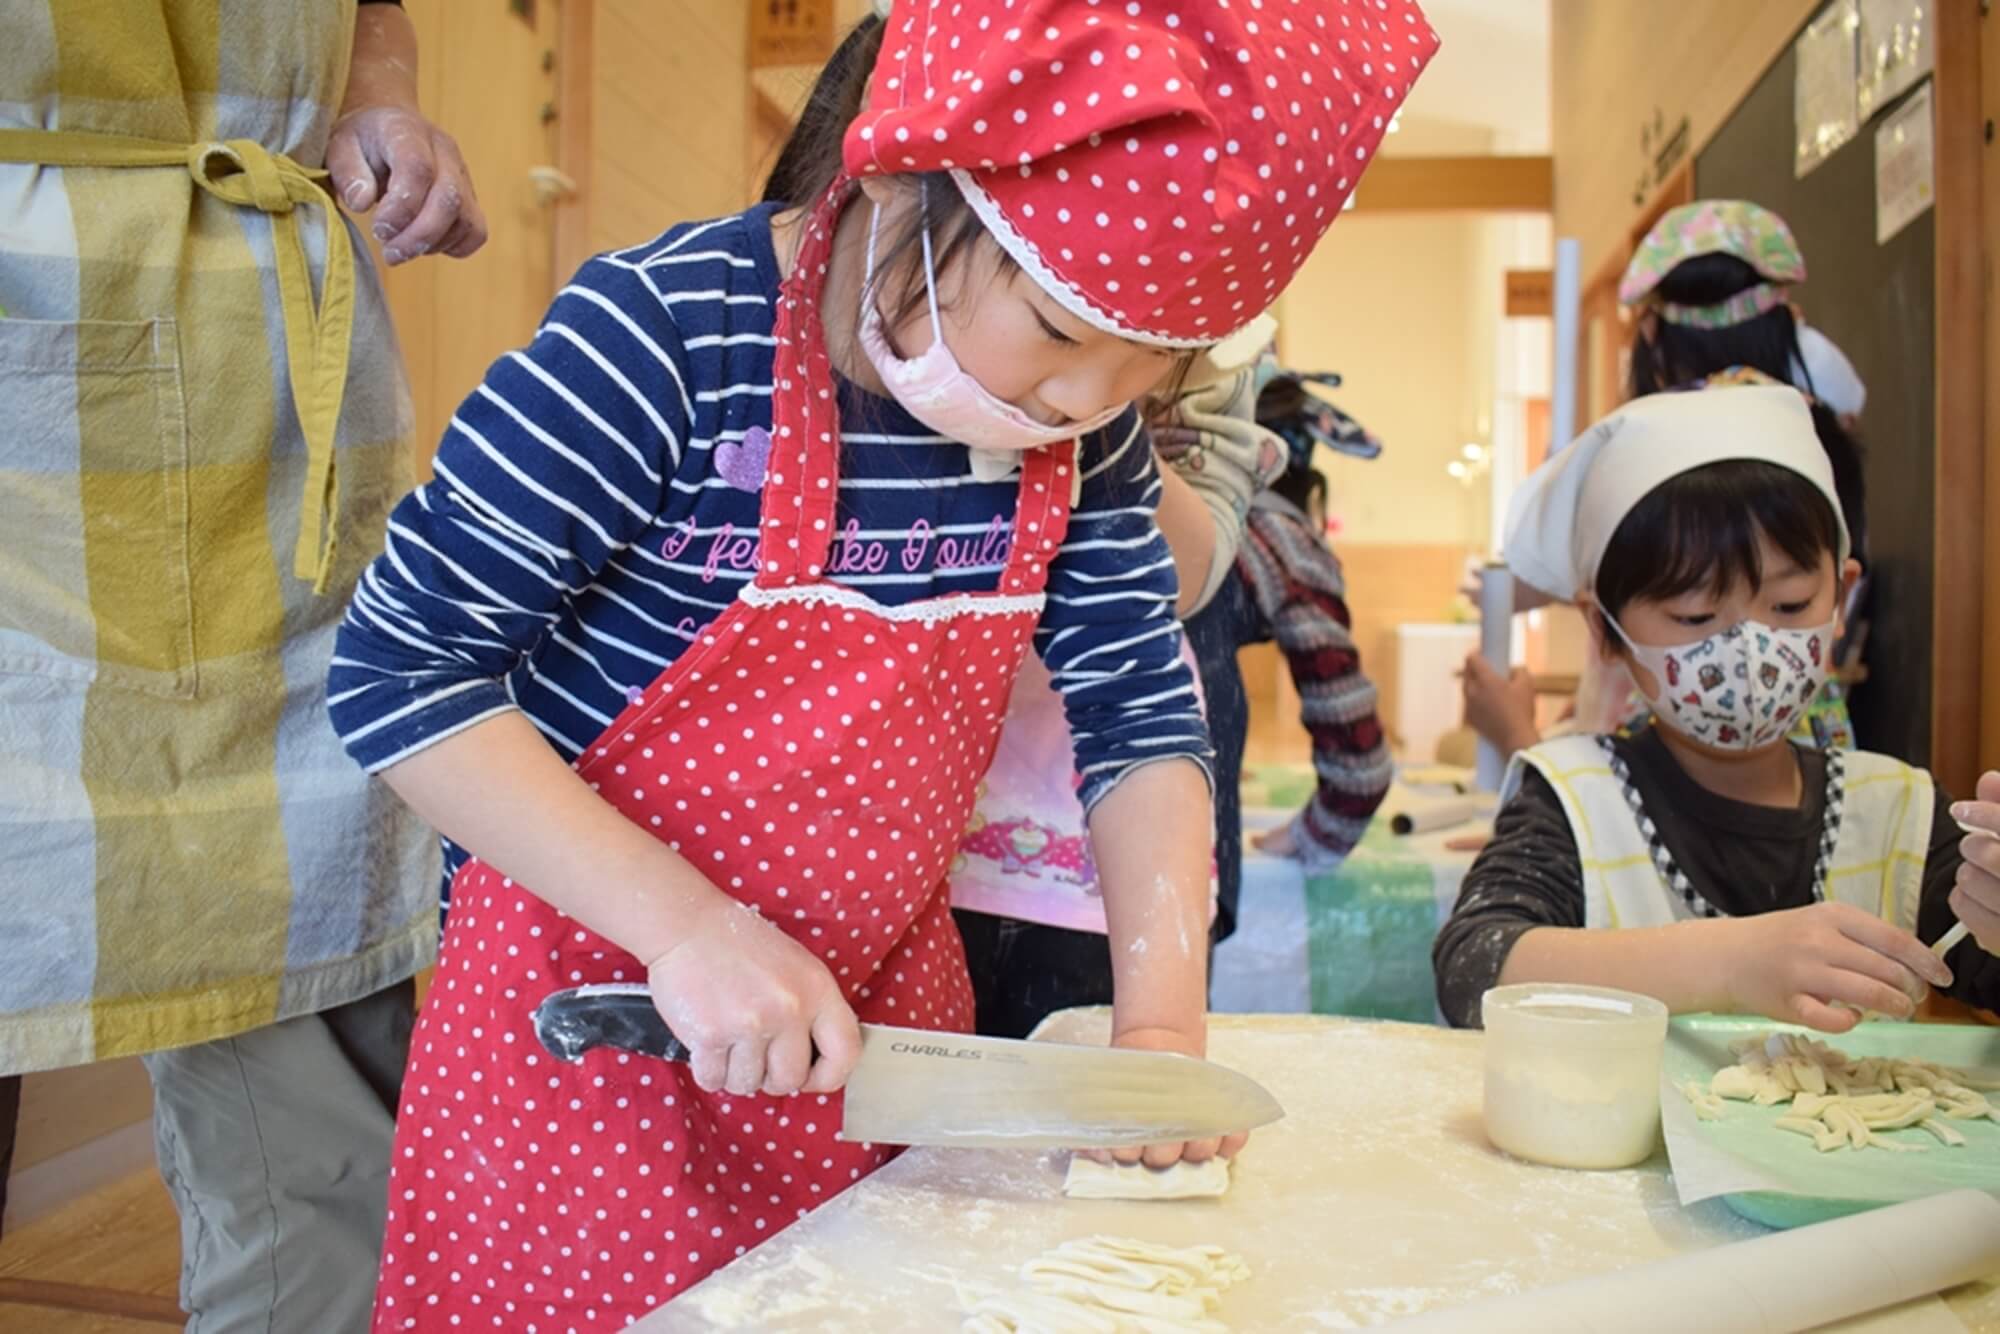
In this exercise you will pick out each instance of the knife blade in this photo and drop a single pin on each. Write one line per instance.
(914, 1086)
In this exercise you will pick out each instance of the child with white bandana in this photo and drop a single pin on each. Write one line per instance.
(1709, 860)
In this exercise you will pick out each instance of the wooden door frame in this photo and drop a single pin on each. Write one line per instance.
(576, 23)
(1959, 377)
(1989, 727)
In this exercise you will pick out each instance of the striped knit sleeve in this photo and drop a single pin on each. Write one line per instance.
(1109, 636)
(554, 464)
(1296, 583)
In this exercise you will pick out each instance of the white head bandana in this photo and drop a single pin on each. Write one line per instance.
(1568, 510)
(1823, 370)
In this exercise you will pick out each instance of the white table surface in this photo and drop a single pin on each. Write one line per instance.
(1376, 1197)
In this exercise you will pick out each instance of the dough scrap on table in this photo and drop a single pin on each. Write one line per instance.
(1113, 1285)
(1089, 1179)
(1838, 1101)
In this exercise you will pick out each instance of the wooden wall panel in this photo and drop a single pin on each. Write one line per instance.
(670, 115)
(65, 1109)
(1959, 484)
(1615, 62)
(576, 29)
(412, 289)
(487, 77)
(1989, 749)
(1489, 183)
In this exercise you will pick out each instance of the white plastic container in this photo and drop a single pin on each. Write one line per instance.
(1573, 1074)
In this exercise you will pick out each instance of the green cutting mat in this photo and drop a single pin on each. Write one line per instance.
(1282, 787)
(1369, 929)
(1809, 1186)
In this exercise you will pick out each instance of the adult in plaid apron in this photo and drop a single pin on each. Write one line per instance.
(206, 424)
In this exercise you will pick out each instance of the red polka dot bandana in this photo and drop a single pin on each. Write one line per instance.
(1161, 167)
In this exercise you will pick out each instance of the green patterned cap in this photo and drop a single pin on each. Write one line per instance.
(1736, 227)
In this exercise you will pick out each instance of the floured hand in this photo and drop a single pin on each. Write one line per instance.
(1162, 1156)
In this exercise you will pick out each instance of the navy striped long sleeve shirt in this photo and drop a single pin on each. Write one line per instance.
(595, 505)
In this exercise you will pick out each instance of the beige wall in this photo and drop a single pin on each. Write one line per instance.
(1614, 61)
(1394, 303)
(1384, 301)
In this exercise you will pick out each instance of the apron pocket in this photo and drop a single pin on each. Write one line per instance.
(95, 577)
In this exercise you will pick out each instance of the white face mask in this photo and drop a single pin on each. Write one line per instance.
(940, 393)
(1739, 689)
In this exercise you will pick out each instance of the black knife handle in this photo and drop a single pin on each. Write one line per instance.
(620, 1015)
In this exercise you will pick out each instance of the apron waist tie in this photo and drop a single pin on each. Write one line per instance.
(244, 173)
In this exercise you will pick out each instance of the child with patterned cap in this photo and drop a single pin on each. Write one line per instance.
(1709, 290)
(697, 644)
(1708, 860)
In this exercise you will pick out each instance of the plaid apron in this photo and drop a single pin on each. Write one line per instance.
(206, 425)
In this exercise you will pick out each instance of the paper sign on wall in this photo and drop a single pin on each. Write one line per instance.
(1905, 168)
(1898, 42)
(1824, 107)
(1530, 292)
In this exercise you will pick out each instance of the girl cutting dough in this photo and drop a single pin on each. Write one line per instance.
(698, 643)
(1707, 860)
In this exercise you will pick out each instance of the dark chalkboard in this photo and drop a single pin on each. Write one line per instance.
(1878, 302)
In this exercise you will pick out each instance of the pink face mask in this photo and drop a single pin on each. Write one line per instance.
(940, 393)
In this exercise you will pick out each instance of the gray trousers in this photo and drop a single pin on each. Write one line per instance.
(275, 1146)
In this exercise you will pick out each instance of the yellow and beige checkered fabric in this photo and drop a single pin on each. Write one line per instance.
(185, 851)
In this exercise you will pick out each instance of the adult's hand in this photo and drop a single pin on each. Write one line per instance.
(385, 155)
(396, 162)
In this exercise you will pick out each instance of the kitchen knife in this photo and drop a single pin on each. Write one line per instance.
(917, 1087)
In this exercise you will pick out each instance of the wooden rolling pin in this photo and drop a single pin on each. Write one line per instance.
(1779, 1284)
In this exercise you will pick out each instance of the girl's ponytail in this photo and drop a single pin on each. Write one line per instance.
(811, 159)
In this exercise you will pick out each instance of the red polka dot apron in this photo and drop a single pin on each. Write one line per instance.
(817, 756)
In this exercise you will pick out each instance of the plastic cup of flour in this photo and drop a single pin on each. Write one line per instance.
(1573, 1074)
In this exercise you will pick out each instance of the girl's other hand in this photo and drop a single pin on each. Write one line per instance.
(757, 1011)
(1192, 1151)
